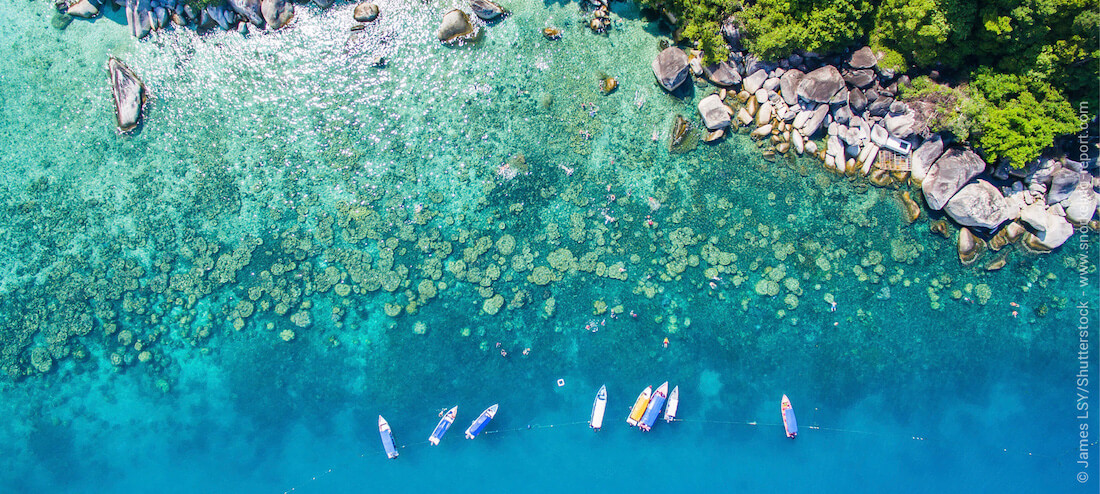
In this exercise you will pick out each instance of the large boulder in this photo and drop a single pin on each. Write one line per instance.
(754, 81)
(1062, 184)
(722, 74)
(900, 126)
(859, 78)
(821, 85)
(455, 25)
(671, 68)
(249, 9)
(978, 204)
(863, 58)
(814, 122)
(277, 13)
(138, 17)
(365, 12)
(926, 154)
(1052, 230)
(857, 100)
(1081, 203)
(83, 8)
(128, 93)
(948, 174)
(485, 9)
(788, 85)
(715, 113)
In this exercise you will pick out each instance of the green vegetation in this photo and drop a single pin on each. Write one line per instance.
(1021, 116)
(1019, 61)
(701, 22)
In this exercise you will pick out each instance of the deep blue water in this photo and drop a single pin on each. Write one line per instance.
(162, 271)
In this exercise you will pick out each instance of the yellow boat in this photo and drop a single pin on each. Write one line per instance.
(639, 406)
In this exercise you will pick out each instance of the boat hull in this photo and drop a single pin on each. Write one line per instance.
(639, 407)
(673, 404)
(653, 410)
(598, 409)
(387, 437)
(790, 424)
(480, 422)
(442, 426)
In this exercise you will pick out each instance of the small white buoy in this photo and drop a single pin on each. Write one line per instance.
(561, 382)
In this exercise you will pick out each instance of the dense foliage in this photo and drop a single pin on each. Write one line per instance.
(1022, 58)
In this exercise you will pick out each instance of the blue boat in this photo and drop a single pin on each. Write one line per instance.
(482, 420)
(387, 437)
(443, 425)
(789, 423)
(654, 410)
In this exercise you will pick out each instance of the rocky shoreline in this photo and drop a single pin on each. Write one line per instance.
(846, 111)
(849, 114)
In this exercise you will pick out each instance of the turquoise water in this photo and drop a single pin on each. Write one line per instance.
(283, 187)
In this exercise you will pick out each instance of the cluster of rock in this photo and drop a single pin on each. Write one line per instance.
(852, 105)
(601, 16)
(143, 16)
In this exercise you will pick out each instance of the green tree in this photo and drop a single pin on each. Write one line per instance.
(925, 31)
(776, 28)
(1021, 116)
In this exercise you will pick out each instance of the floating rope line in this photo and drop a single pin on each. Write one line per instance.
(749, 423)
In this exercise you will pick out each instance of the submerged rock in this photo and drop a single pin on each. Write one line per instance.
(678, 132)
(970, 247)
(485, 9)
(128, 92)
(939, 227)
(912, 209)
(365, 12)
(978, 204)
(455, 25)
(948, 174)
(671, 68)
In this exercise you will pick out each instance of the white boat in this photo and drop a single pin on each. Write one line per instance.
(387, 437)
(673, 402)
(598, 408)
(639, 406)
(480, 422)
(443, 425)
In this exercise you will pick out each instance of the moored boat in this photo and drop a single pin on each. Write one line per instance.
(653, 410)
(387, 437)
(443, 425)
(598, 408)
(789, 422)
(673, 404)
(480, 422)
(639, 407)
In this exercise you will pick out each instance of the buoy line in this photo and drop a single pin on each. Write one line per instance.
(750, 423)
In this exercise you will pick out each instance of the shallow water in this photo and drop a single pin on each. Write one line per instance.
(284, 186)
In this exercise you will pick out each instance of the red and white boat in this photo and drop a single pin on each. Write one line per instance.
(789, 422)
